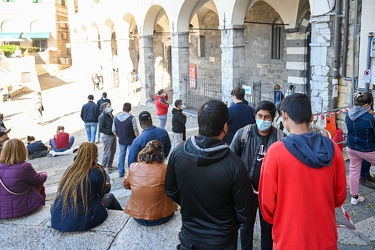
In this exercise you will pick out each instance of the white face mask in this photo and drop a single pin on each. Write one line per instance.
(183, 106)
(263, 125)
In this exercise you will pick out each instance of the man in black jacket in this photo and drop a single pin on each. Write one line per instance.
(89, 115)
(178, 124)
(210, 184)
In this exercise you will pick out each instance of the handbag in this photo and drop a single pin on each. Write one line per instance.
(1, 182)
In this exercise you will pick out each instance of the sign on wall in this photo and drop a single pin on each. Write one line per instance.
(193, 75)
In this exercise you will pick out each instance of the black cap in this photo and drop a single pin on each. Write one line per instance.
(144, 116)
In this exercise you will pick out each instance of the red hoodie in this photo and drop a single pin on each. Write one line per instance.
(161, 104)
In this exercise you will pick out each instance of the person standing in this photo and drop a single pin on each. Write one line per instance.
(109, 138)
(126, 129)
(360, 144)
(161, 107)
(210, 184)
(178, 124)
(240, 114)
(102, 100)
(302, 181)
(150, 132)
(39, 107)
(251, 144)
(61, 140)
(90, 114)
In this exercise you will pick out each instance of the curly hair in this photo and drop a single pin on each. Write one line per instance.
(153, 151)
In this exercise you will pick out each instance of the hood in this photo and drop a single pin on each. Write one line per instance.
(356, 112)
(205, 151)
(123, 116)
(313, 149)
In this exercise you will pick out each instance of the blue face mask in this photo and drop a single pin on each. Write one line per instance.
(109, 109)
(263, 125)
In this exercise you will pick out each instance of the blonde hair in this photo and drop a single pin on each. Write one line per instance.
(76, 177)
(153, 151)
(14, 151)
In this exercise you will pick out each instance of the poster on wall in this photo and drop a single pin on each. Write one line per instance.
(193, 75)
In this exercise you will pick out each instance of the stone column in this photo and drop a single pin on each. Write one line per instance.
(124, 65)
(180, 65)
(232, 58)
(146, 69)
(106, 62)
(321, 59)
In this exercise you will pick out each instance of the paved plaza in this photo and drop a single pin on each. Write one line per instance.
(63, 96)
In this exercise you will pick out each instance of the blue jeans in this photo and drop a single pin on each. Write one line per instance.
(151, 223)
(121, 158)
(53, 145)
(162, 120)
(91, 130)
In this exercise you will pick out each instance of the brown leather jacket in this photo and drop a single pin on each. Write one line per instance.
(148, 200)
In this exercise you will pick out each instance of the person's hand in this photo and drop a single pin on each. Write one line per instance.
(107, 185)
(7, 131)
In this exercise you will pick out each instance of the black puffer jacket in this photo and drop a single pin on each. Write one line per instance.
(210, 183)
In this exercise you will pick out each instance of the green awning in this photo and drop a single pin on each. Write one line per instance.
(42, 35)
(10, 34)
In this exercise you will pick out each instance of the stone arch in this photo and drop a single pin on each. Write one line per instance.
(150, 20)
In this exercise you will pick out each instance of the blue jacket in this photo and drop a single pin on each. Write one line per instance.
(240, 115)
(149, 134)
(96, 213)
(361, 129)
(90, 112)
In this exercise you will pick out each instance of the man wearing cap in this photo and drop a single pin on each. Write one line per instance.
(150, 132)
(90, 114)
(161, 107)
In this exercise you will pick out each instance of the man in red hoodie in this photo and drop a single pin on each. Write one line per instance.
(161, 107)
(302, 181)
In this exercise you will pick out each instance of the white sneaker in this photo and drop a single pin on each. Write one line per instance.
(355, 201)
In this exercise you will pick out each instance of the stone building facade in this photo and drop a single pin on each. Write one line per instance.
(200, 49)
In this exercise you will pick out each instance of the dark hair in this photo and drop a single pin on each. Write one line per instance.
(127, 107)
(238, 92)
(160, 92)
(104, 105)
(298, 107)
(177, 103)
(30, 138)
(90, 97)
(361, 99)
(104, 94)
(266, 105)
(212, 116)
(153, 151)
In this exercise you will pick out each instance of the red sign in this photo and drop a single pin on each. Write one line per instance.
(193, 75)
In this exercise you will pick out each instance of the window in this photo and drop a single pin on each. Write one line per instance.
(276, 42)
(63, 3)
(36, 1)
(40, 43)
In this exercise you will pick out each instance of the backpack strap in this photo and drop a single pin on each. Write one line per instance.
(245, 135)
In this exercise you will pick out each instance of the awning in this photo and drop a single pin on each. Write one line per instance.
(43, 35)
(15, 35)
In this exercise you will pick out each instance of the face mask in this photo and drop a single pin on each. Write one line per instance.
(183, 106)
(263, 125)
(104, 98)
(109, 109)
